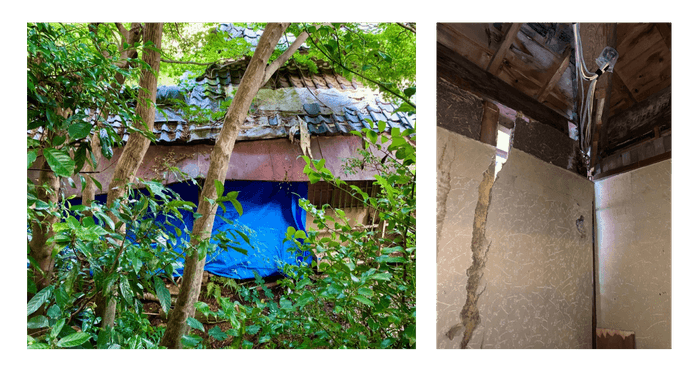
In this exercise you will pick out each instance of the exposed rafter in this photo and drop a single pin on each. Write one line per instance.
(467, 75)
(555, 76)
(497, 59)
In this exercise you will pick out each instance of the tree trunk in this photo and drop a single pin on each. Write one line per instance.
(47, 191)
(89, 191)
(135, 149)
(220, 157)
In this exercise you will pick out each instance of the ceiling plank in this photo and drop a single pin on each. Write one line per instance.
(465, 74)
(638, 121)
(633, 166)
(497, 58)
(665, 31)
(555, 77)
(466, 41)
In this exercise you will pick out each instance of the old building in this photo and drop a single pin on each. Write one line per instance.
(297, 112)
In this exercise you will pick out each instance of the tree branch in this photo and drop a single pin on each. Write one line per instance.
(381, 85)
(408, 27)
(277, 63)
(188, 62)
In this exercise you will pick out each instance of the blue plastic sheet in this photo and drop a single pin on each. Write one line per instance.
(269, 208)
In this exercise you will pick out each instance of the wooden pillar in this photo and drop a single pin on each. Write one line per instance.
(489, 123)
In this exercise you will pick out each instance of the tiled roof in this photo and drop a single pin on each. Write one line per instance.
(173, 129)
(219, 80)
(327, 102)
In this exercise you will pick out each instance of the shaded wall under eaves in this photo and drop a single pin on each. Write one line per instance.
(536, 290)
(263, 160)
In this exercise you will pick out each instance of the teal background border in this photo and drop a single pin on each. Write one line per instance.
(425, 358)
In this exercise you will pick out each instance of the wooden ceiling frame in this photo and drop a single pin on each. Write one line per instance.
(555, 76)
(465, 74)
(665, 31)
(498, 57)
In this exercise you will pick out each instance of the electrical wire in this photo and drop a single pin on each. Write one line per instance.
(583, 74)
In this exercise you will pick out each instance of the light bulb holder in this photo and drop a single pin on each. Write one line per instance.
(607, 60)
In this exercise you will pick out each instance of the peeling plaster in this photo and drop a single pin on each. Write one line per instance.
(470, 313)
(443, 189)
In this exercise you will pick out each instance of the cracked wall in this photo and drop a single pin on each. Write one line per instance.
(536, 289)
(633, 238)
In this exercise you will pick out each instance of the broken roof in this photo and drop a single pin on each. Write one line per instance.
(331, 106)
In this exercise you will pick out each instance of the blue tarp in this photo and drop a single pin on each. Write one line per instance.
(269, 208)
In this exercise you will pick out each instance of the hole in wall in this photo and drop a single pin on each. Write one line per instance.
(503, 142)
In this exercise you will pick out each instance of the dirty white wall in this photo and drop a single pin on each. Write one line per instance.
(536, 291)
(461, 162)
(633, 238)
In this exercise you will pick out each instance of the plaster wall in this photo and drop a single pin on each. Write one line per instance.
(633, 238)
(536, 290)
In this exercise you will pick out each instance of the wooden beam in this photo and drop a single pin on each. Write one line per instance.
(633, 166)
(489, 123)
(555, 76)
(466, 75)
(665, 31)
(639, 120)
(497, 59)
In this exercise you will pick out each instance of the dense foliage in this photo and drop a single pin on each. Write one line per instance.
(359, 294)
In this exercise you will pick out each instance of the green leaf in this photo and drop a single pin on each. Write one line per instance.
(387, 342)
(372, 136)
(244, 236)
(314, 177)
(217, 334)
(410, 91)
(31, 157)
(191, 340)
(238, 206)
(38, 346)
(194, 323)
(390, 259)
(367, 292)
(162, 293)
(57, 328)
(381, 276)
(304, 299)
(80, 129)
(99, 186)
(363, 300)
(38, 322)
(39, 299)
(60, 162)
(73, 340)
(219, 188)
(126, 290)
(300, 235)
(252, 329)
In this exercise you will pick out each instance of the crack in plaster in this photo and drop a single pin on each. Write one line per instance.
(470, 313)
(443, 191)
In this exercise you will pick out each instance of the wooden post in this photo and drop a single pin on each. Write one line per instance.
(489, 123)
